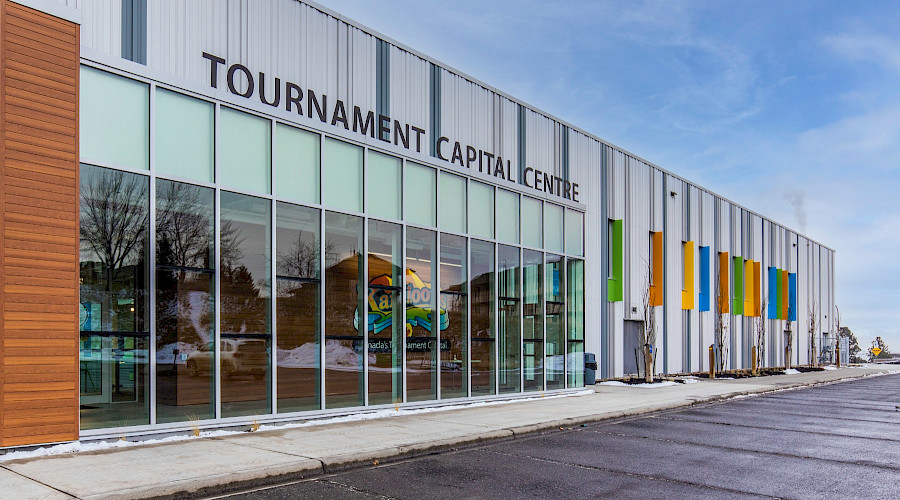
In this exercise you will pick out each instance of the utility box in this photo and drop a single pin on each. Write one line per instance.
(590, 368)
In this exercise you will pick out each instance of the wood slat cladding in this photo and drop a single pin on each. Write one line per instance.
(39, 241)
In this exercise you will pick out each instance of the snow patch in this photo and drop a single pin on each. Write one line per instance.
(791, 371)
(829, 368)
(616, 383)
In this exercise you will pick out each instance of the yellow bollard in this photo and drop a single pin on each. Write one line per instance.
(712, 363)
(837, 355)
(753, 369)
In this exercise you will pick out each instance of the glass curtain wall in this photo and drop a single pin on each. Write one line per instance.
(483, 338)
(344, 375)
(385, 313)
(244, 307)
(297, 311)
(115, 301)
(422, 323)
(509, 340)
(533, 324)
(455, 303)
(575, 305)
(185, 302)
(555, 289)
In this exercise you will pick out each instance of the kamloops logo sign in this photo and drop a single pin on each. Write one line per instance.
(292, 97)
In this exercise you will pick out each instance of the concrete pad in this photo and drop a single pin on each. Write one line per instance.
(158, 470)
(23, 488)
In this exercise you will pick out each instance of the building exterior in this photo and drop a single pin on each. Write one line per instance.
(221, 212)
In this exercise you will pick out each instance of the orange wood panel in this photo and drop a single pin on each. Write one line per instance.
(39, 245)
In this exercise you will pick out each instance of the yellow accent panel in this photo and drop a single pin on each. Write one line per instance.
(723, 297)
(656, 286)
(757, 289)
(687, 295)
(749, 282)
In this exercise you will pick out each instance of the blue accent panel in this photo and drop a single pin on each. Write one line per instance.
(792, 296)
(704, 278)
(773, 293)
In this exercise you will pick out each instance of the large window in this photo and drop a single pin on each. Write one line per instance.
(385, 313)
(575, 322)
(483, 314)
(245, 308)
(423, 319)
(481, 210)
(533, 326)
(343, 347)
(296, 164)
(455, 304)
(509, 340)
(297, 310)
(384, 184)
(185, 302)
(114, 316)
(453, 203)
(555, 290)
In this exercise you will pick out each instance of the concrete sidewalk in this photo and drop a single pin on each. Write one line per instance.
(214, 464)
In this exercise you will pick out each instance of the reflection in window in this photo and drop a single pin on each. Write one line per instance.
(185, 298)
(244, 331)
(114, 311)
(385, 313)
(422, 323)
(533, 327)
(297, 307)
(575, 306)
(483, 339)
(510, 337)
(343, 334)
(555, 289)
(455, 301)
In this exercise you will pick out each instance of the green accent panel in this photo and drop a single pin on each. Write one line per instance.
(737, 270)
(615, 285)
(778, 310)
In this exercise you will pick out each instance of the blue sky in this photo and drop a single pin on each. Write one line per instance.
(789, 108)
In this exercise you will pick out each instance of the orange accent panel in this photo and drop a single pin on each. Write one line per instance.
(784, 295)
(724, 296)
(39, 241)
(656, 286)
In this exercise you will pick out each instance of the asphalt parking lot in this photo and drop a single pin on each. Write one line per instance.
(833, 441)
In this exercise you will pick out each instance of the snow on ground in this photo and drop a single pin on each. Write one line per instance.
(829, 368)
(791, 371)
(80, 446)
(616, 383)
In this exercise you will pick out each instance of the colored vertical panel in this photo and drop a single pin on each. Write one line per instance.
(687, 294)
(39, 215)
(757, 289)
(704, 278)
(779, 299)
(784, 294)
(657, 279)
(722, 298)
(773, 293)
(615, 286)
(749, 301)
(738, 270)
(792, 296)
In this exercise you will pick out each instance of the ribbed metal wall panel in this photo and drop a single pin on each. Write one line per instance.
(673, 235)
(467, 116)
(101, 24)
(587, 154)
(409, 92)
(285, 39)
(540, 142)
(637, 236)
